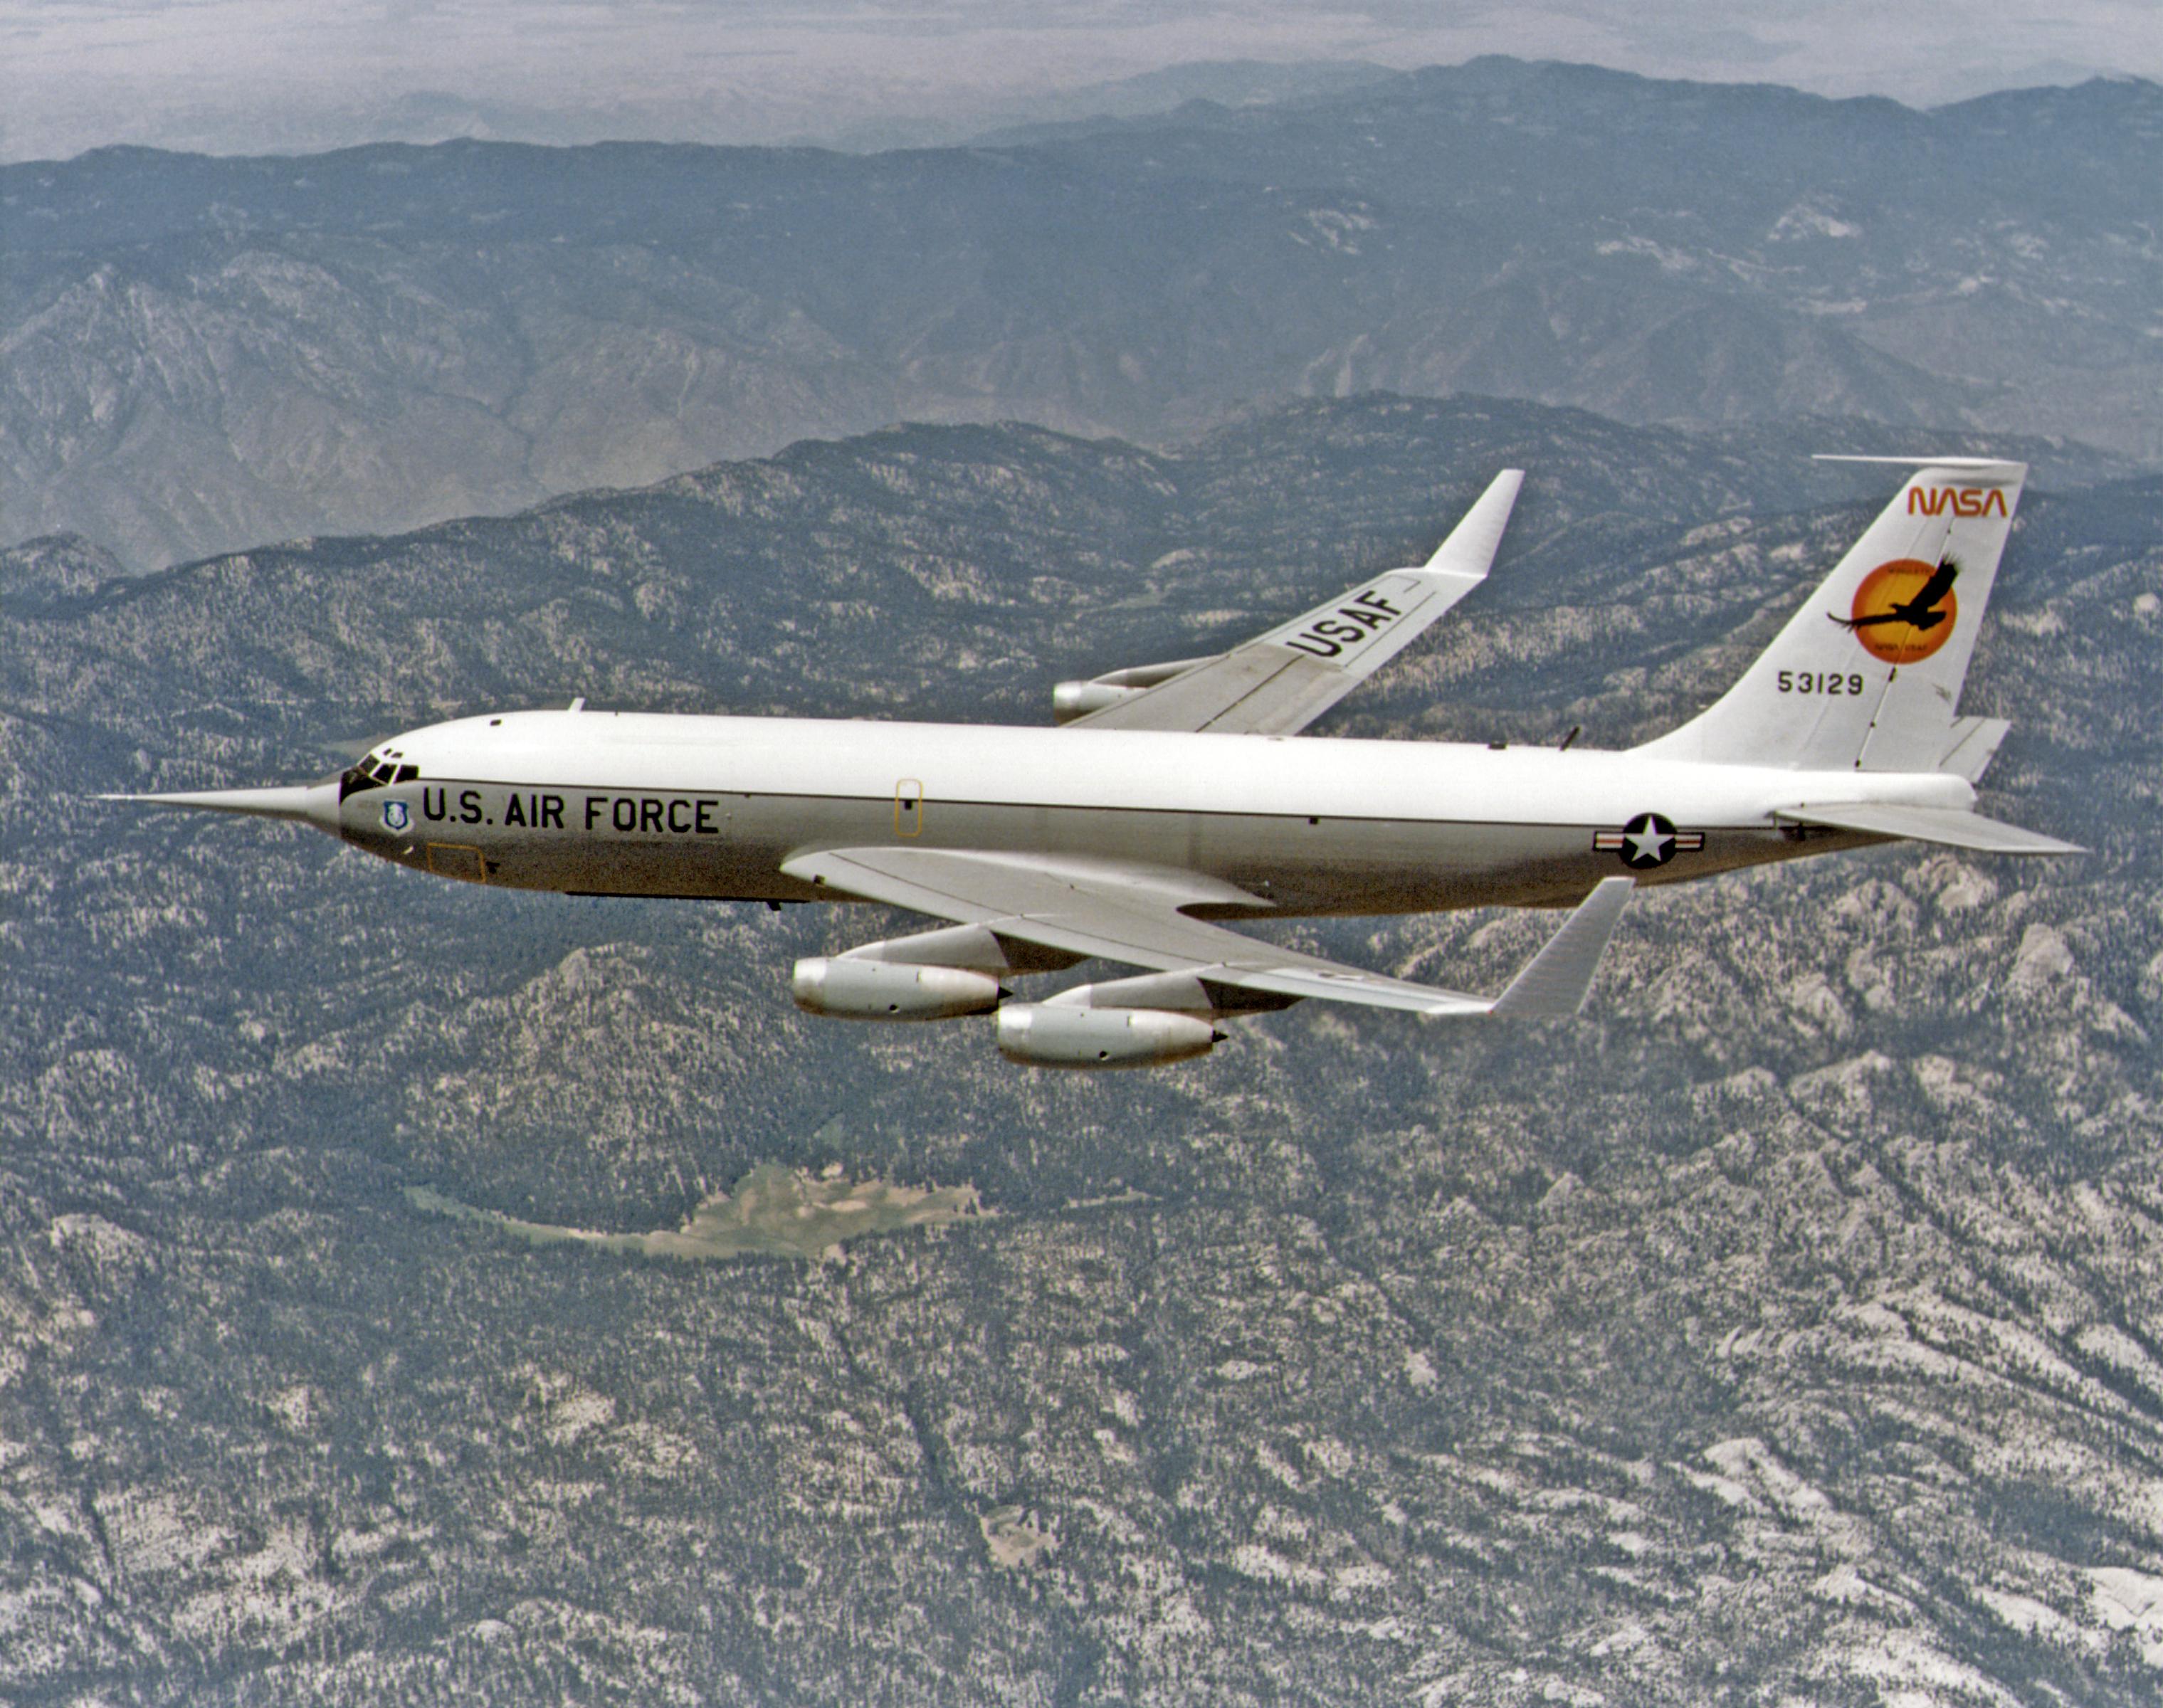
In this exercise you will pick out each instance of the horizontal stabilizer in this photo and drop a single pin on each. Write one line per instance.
(1950, 827)
(1555, 981)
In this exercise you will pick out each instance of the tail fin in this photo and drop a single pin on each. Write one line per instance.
(1866, 676)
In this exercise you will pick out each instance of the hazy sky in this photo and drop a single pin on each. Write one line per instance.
(232, 75)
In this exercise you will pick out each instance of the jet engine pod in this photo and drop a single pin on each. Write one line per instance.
(1040, 1035)
(846, 988)
(1075, 700)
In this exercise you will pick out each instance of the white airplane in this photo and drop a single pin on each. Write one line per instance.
(1173, 797)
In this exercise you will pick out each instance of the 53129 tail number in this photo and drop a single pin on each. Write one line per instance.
(1820, 682)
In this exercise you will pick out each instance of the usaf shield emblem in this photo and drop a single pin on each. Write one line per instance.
(395, 817)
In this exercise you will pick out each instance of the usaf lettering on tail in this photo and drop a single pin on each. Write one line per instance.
(1170, 790)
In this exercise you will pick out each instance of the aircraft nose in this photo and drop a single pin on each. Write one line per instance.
(319, 804)
(308, 803)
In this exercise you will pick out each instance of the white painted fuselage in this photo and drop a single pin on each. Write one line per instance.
(626, 804)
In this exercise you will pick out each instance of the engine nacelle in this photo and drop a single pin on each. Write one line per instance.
(1076, 699)
(1040, 1035)
(845, 988)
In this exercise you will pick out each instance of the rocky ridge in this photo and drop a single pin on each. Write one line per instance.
(1792, 1327)
(200, 354)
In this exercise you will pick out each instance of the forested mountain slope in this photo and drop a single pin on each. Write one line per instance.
(198, 354)
(1792, 1326)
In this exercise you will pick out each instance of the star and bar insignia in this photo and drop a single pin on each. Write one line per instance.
(1649, 839)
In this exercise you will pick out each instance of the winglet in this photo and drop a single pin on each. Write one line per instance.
(1469, 550)
(1555, 980)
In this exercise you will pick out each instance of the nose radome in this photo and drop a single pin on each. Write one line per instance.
(307, 802)
(320, 804)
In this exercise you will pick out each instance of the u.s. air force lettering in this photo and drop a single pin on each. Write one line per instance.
(641, 815)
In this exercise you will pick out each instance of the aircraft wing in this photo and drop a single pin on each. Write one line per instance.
(1279, 683)
(1131, 913)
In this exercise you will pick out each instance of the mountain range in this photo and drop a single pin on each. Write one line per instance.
(199, 354)
(1789, 1329)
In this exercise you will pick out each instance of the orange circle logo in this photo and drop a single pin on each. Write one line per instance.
(1905, 611)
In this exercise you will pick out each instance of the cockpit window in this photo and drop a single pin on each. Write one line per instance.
(406, 773)
(373, 772)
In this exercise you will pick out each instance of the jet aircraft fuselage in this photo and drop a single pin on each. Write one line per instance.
(625, 803)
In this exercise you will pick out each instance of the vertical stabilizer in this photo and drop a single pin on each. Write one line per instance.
(1867, 674)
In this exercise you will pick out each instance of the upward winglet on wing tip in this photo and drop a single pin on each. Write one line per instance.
(1555, 982)
(1470, 549)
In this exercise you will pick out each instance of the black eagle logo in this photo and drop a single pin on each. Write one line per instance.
(1919, 613)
